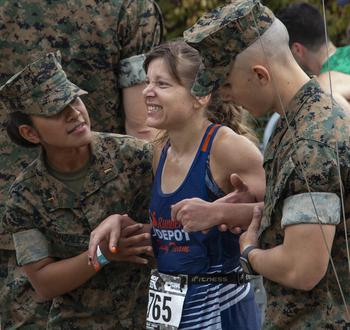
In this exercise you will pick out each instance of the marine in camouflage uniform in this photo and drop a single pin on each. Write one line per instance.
(318, 127)
(101, 45)
(50, 219)
(315, 126)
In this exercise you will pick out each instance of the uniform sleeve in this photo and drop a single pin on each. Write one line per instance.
(30, 243)
(316, 163)
(311, 208)
(140, 29)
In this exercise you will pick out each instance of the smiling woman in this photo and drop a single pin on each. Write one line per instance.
(193, 162)
(79, 179)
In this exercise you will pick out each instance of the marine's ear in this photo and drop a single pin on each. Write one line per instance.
(29, 133)
(298, 50)
(261, 74)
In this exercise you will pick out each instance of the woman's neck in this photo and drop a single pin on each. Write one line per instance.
(187, 139)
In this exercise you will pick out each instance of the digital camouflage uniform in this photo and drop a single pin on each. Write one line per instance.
(50, 220)
(315, 126)
(99, 41)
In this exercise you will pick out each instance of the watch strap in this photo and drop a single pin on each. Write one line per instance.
(246, 251)
(247, 267)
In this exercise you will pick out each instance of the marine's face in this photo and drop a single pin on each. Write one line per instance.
(243, 88)
(70, 128)
(169, 104)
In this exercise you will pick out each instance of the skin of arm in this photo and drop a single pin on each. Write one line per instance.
(196, 214)
(51, 278)
(300, 262)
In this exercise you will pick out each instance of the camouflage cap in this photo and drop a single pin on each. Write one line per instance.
(41, 88)
(222, 34)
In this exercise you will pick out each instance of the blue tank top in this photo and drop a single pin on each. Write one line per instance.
(208, 306)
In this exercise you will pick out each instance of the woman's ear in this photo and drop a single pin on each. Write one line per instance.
(29, 133)
(261, 74)
(225, 92)
(202, 101)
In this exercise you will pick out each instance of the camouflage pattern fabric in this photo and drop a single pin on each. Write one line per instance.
(59, 221)
(20, 306)
(222, 34)
(96, 39)
(46, 95)
(315, 125)
(99, 42)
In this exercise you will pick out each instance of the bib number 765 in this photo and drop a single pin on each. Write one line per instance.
(159, 307)
(166, 298)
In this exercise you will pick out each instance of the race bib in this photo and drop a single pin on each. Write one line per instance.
(166, 298)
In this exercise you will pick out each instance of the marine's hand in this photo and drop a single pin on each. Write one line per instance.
(240, 194)
(131, 245)
(250, 237)
(109, 230)
(194, 214)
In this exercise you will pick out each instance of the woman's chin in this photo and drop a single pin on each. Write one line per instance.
(152, 123)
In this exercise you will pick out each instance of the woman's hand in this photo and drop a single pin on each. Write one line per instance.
(131, 245)
(195, 214)
(115, 232)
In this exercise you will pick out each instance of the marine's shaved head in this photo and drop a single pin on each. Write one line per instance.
(272, 46)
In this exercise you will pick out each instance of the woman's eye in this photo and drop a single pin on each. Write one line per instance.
(162, 84)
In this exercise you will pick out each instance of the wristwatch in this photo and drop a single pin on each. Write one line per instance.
(245, 264)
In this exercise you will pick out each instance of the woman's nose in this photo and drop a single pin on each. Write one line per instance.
(148, 90)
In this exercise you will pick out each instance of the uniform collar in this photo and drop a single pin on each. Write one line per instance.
(308, 92)
(57, 195)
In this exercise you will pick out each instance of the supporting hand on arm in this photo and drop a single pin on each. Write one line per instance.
(300, 262)
(232, 211)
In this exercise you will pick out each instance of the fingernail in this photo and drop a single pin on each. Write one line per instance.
(97, 267)
(115, 249)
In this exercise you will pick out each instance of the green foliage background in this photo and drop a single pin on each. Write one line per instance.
(181, 14)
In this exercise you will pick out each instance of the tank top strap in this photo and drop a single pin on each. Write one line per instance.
(201, 155)
(209, 137)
